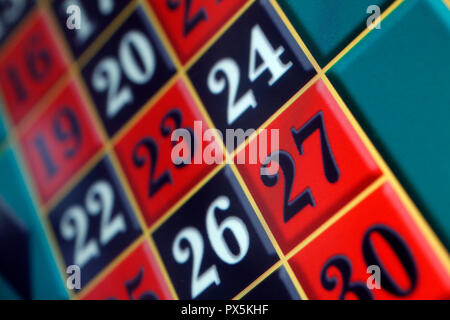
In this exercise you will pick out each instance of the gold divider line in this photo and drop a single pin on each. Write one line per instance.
(264, 224)
(42, 104)
(337, 216)
(364, 33)
(34, 198)
(218, 35)
(447, 3)
(198, 101)
(257, 211)
(72, 182)
(230, 24)
(206, 115)
(294, 279)
(181, 70)
(276, 114)
(146, 235)
(127, 127)
(419, 219)
(109, 267)
(155, 226)
(421, 222)
(162, 267)
(16, 34)
(258, 280)
(106, 148)
(295, 35)
(31, 188)
(106, 34)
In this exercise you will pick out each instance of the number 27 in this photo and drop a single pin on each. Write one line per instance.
(287, 165)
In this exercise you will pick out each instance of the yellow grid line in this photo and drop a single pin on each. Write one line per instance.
(107, 150)
(193, 92)
(417, 216)
(29, 185)
(275, 267)
(362, 35)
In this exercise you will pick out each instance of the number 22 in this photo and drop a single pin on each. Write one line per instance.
(75, 222)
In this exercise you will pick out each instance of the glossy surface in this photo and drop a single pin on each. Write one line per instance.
(378, 232)
(250, 71)
(31, 66)
(147, 153)
(190, 24)
(60, 141)
(319, 155)
(229, 242)
(138, 277)
(95, 16)
(127, 71)
(327, 26)
(277, 286)
(94, 222)
(399, 92)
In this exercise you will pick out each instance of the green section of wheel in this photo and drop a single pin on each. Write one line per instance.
(6, 291)
(2, 124)
(396, 82)
(327, 26)
(46, 282)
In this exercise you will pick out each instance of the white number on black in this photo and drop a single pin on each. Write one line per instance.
(12, 10)
(259, 44)
(215, 232)
(107, 75)
(75, 222)
(105, 7)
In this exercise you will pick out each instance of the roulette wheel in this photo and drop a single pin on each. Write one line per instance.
(224, 149)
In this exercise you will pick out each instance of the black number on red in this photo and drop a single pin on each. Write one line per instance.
(148, 143)
(402, 251)
(134, 283)
(191, 20)
(287, 165)
(343, 264)
(38, 64)
(65, 128)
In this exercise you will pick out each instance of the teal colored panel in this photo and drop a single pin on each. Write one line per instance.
(6, 291)
(2, 125)
(396, 82)
(327, 26)
(46, 282)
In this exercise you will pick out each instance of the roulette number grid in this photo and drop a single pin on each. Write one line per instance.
(352, 95)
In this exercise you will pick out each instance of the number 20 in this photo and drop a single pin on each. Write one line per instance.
(259, 44)
(107, 75)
